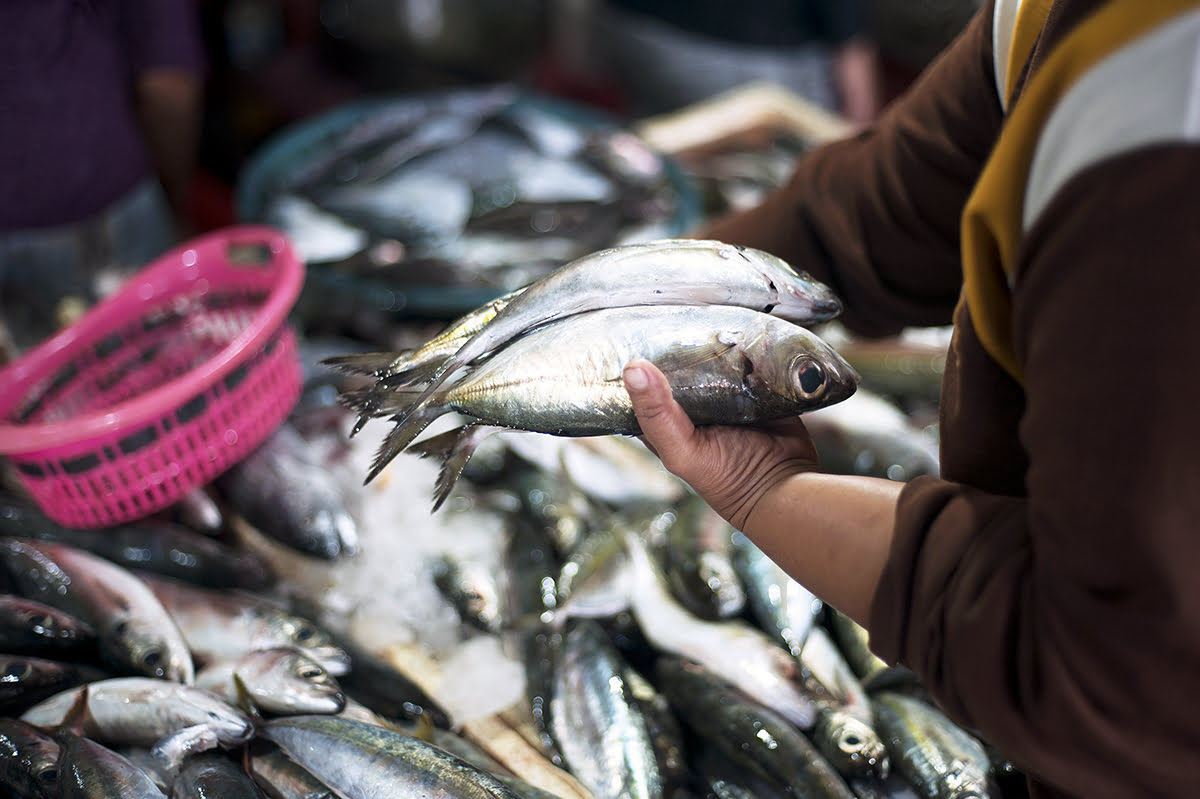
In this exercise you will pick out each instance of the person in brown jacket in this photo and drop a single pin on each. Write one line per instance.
(1036, 186)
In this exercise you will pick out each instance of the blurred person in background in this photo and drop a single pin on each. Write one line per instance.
(101, 104)
(1036, 186)
(666, 54)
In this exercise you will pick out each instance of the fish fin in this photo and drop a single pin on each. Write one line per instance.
(373, 402)
(171, 750)
(400, 436)
(454, 447)
(371, 364)
(412, 373)
(424, 729)
(76, 717)
(243, 698)
(692, 357)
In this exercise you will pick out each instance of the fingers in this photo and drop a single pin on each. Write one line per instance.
(666, 428)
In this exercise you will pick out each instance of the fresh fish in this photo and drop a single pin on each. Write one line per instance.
(411, 208)
(532, 564)
(732, 649)
(360, 760)
(135, 632)
(89, 770)
(669, 271)
(754, 735)
(143, 711)
(472, 588)
(28, 761)
(781, 606)
(727, 365)
(280, 777)
(150, 545)
(211, 775)
(853, 641)
(276, 681)
(850, 745)
(698, 563)
(822, 659)
(594, 581)
(30, 627)
(318, 236)
(938, 757)
(666, 734)
(289, 494)
(198, 510)
(541, 647)
(598, 726)
(25, 680)
(225, 625)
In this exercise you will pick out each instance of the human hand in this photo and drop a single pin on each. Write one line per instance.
(730, 467)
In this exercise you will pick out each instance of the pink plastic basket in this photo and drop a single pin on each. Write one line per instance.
(162, 385)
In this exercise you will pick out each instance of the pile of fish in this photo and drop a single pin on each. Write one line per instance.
(723, 322)
(665, 656)
(484, 188)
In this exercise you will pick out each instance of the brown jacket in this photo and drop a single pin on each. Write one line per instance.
(1047, 586)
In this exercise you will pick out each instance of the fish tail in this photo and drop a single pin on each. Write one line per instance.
(454, 448)
(371, 364)
(401, 436)
(413, 372)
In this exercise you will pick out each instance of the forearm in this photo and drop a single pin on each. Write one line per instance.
(169, 112)
(857, 80)
(832, 533)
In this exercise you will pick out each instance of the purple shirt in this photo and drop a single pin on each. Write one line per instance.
(69, 138)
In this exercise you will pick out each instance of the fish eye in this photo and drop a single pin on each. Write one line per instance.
(153, 658)
(305, 634)
(15, 670)
(809, 377)
(850, 742)
(311, 672)
(48, 776)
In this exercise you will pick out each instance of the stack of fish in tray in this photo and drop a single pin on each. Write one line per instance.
(723, 322)
(662, 653)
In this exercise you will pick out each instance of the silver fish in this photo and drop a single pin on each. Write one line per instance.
(360, 760)
(726, 365)
(280, 777)
(730, 649)
(663, 272)
(26, 680)
(276, 681)
(754, 735)
(28, 761)
(781, 606)
(937, 756)
(288, 493)
(598, 726)
(697, 559)
(89, 770)
(472, 588)
(212, 775)
(142, 711)
(30, 627)
(135, 631)
(225, 625)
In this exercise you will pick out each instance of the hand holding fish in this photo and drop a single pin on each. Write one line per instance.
(830, 532)
(730, 466)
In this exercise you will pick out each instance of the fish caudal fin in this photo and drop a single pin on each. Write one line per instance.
(454, 448)
(400, 436)
(371, 364)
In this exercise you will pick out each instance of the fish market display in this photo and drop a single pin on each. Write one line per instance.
(135, 632)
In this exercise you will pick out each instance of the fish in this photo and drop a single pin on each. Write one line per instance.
(143, 711)
(598, 726)
(939, 758)
(697, 559)
(594, 581)
(90, 770)
(852, 746)
(280, 777)
(30, 627)
(359, 760)
(28, 761)
(275, 681)
(869, 435)
(472, 588)
(753, 735)
(731, 649)
(225, 625)
(726, 365)
(662, 272)
(781, 606)
(289, 494)
(135, 632)
(211, 775)
(152, 545)
(853, 642)
(25, 680)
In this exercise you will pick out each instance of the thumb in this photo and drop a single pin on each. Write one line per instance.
(665, 425)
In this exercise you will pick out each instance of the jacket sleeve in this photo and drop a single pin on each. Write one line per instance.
(877, 216)
(1065, 625)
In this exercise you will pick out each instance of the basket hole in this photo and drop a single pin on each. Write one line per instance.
(256, 254)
